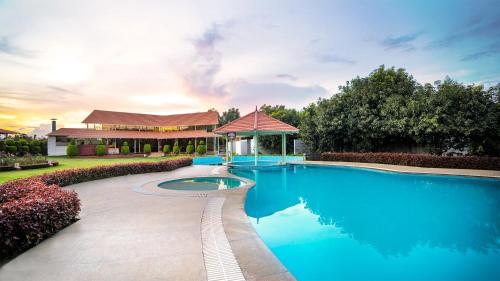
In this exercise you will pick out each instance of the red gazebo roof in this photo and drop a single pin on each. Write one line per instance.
(256, 121)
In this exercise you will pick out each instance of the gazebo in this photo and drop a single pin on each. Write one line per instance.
(257, 124)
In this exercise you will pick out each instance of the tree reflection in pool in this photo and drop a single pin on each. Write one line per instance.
(335, 223)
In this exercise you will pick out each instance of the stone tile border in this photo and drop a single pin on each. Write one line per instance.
(409, 169)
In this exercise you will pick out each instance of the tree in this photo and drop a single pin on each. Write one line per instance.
(228, 116)
(287, 115)
(166, 149)
(389, 110)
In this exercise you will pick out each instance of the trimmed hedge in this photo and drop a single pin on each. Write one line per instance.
(31, 211)
(72, 149)
(201, 149)
(100, 149)
(166, 148)
(35, 208)
(176, 149)
(125, 148)
(190, 148)
(419, 160)
(147, 148)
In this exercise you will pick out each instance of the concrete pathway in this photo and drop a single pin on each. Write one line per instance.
(122, 235)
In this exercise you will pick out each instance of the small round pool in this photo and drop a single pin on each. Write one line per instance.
(202, 183)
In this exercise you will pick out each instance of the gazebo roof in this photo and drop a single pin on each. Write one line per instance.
(256, 121)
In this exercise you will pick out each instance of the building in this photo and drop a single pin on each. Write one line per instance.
(114, 128)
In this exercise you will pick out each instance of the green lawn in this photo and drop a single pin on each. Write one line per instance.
(67, 163)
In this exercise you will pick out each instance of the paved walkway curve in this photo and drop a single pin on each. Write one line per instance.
(122, 235)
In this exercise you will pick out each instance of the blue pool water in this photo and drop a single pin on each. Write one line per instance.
(334, 223)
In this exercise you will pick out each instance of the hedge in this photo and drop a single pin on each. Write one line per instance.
(72, 149)
(31, 211)
(190, 148)
(419, 160)
(176, 149)
(125, 148)
(202, 148)
(35, 208)
(100, 149)
(166, 149)
(147, 148)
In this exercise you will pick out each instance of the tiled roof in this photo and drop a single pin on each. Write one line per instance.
(256, 121)
(126, 118)
(8, 132)
(92, 133)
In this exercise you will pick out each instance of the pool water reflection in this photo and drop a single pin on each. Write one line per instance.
(334, 223)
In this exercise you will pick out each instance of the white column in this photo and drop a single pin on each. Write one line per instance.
(256, 148)
(283, 147)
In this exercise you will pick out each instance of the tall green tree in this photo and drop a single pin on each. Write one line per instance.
(288, 115)
(228, 116)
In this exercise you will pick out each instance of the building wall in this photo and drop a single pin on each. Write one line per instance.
(53, 149)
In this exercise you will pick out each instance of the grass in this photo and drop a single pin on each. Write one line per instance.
(69, 163)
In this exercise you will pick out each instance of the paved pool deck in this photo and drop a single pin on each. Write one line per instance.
(125, 233)
(128, 231)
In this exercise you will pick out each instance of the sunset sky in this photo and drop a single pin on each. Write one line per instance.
(64, 58)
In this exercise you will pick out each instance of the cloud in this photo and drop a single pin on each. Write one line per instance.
(403, 42)
(478, 29)
(7, 47)
(287, 76)
(202, 68)
(329, 58)
(490, 51)
(246, 95)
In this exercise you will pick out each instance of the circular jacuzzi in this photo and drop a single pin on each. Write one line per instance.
(202, 183)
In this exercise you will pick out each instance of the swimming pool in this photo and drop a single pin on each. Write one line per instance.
(339, 223)
(202, 183)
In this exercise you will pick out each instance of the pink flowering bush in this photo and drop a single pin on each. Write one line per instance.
(34, 208)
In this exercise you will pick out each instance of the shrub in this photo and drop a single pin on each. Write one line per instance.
(35, 147)
(190, 148)
(166, 149)
(31, 211)
(73, 176)
(72, 149)
(10, 142)
(2, 145)
(25, 150)
(419, 160)
(125, 148)
(147, 148)
(22, 142)
(202, 148)
(176, 149)
(11, 149)
(100, 149)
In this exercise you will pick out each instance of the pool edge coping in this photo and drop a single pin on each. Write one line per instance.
(256, 260)
(492, 174)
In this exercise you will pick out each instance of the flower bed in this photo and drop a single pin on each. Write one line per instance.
(419, 160)
(35, 208)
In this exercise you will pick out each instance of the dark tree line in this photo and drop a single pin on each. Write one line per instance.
(389, 110)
